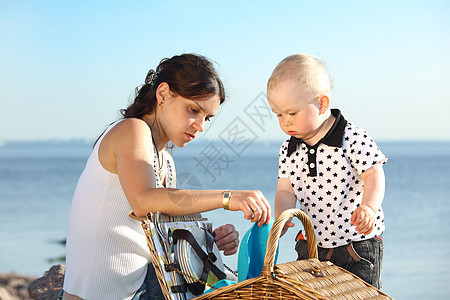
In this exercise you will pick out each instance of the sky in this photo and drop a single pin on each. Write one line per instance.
(67, 67)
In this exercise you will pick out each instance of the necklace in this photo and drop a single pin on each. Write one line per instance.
(157, 156)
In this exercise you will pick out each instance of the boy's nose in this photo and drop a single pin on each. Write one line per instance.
(287, 120)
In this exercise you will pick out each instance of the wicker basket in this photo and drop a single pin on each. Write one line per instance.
(306, 279)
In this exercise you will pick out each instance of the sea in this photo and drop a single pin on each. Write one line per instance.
(37, 181)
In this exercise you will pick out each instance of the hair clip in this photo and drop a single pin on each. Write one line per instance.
(151, 77)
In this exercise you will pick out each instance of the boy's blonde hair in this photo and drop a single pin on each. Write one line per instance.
(305, 69)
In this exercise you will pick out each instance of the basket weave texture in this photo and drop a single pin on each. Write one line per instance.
(305, 279)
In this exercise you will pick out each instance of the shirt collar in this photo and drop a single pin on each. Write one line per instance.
(333, 137)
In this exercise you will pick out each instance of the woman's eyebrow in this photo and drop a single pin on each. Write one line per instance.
(202, 109)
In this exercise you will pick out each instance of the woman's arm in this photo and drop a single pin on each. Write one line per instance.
(129, 146)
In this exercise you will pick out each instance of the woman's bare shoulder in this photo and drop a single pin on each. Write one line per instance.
(131, 134)
(129, 128)
(130, 123)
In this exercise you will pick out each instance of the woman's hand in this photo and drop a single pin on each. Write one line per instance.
(254, 205)
(227, 239)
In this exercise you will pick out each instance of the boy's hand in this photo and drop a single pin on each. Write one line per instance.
(286, 226)
(364, 219)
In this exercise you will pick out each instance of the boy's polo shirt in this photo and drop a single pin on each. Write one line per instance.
(326, 179)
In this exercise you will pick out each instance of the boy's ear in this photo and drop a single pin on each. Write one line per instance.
(324, 104)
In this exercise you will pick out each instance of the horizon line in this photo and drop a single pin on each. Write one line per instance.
(87, 140)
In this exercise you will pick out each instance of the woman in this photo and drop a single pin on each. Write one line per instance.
(107, 254)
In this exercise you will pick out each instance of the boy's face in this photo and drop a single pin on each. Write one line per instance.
(296, 108)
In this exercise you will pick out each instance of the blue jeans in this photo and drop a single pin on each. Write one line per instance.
(149, 290)
(362, 258)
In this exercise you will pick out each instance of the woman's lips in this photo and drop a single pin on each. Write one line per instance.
(190, 136)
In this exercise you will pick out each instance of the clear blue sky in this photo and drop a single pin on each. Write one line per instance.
(67, 67)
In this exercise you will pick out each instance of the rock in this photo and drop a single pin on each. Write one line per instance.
(14, 286)
(49, 285)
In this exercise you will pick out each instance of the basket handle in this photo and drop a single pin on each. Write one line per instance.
(133, 216)
(274, 236)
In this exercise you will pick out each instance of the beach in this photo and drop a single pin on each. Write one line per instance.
(37, 181)
(14, 286)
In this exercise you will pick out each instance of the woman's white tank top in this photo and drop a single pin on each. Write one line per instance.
(107, 253)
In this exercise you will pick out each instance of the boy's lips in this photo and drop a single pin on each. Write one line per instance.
(290, 132)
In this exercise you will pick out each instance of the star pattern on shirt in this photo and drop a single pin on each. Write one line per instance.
(332, 193)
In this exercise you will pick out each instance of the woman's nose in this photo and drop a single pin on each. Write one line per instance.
(199, 124)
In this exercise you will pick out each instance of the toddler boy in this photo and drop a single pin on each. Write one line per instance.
(332, 167)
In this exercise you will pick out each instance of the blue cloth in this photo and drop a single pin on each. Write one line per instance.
(219, 284)
(253, 250)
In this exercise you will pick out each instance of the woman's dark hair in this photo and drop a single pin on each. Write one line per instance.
(188, 75)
